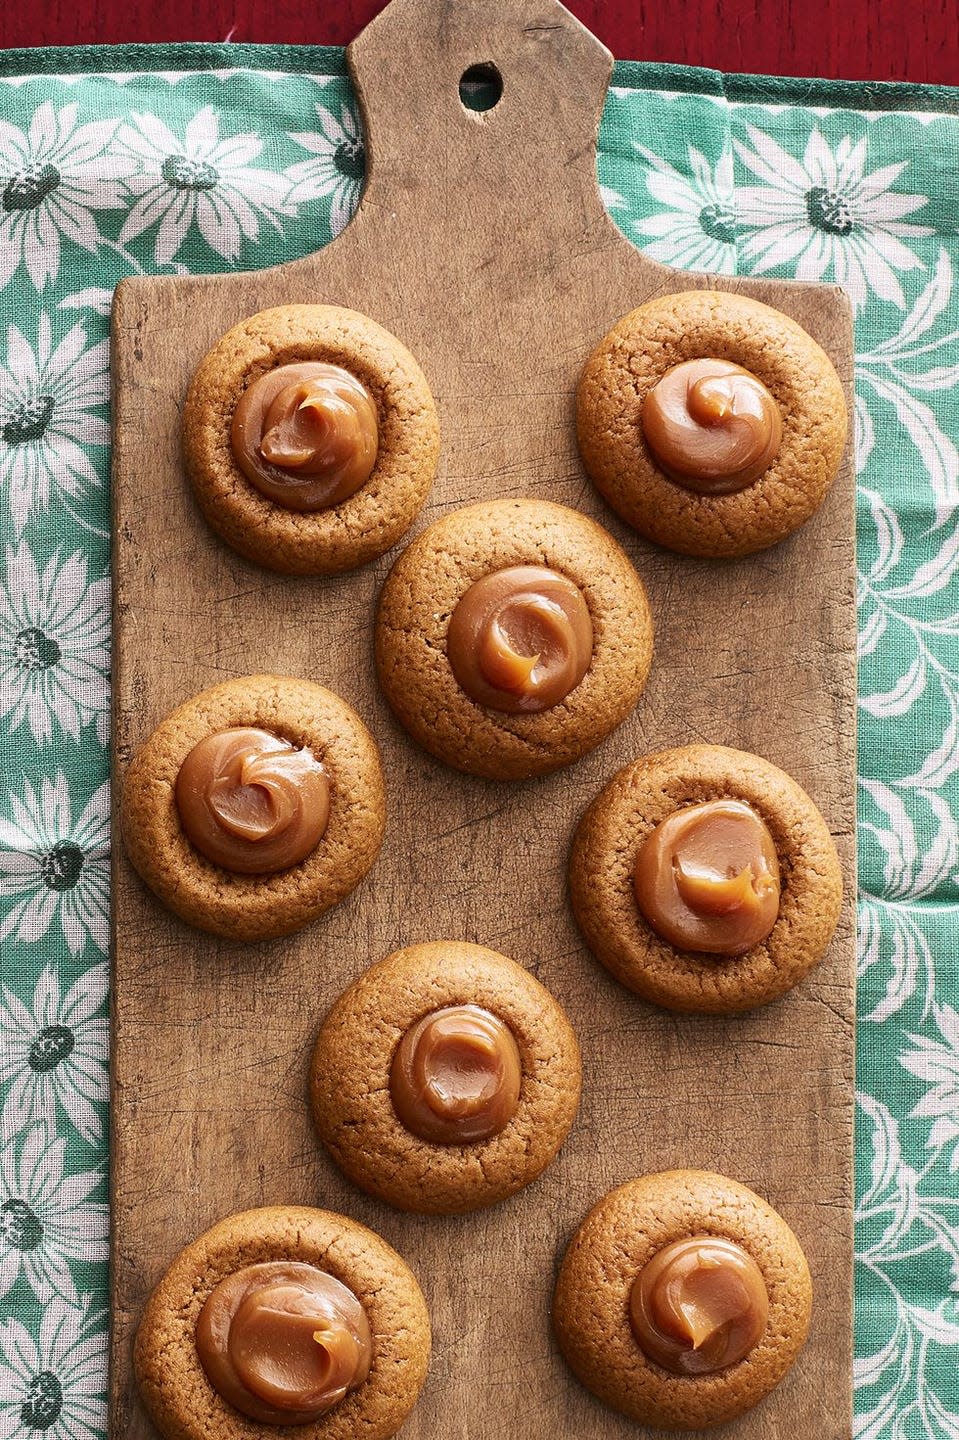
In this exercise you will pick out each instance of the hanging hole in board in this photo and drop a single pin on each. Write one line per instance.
(481, 87)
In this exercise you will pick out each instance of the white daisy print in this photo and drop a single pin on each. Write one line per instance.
(54, 1384)
(46, 1217)
(612, 199)
(53, 1053)
(338, 167)
(826, 218)
(47, 401)
(54, 870)
(54, 636)
(200, 179)
(936, 1062)
(54, 177)
(697, 229)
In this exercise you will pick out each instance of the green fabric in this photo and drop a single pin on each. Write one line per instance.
(189, 158)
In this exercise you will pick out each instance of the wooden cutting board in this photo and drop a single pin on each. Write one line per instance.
(481, 241)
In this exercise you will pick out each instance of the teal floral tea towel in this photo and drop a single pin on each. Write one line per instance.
(202, 158)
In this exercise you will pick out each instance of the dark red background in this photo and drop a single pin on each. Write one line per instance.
(852, 39)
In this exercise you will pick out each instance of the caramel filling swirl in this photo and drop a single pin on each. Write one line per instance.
(699, 1305)
(251, 802)
(520, 639)
(306, 435)
(707, 878)
(283, 1342)
(712, 426)
(456, 1076)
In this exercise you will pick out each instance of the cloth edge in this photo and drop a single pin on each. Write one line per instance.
(878, 95)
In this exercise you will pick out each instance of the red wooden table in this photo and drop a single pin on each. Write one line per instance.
(854, 39)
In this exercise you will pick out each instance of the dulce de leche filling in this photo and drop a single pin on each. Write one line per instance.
(456, 1076)
(306, 435)
(283, 1342)
(251, 802)
(699, 1305)
(707, 878)
(712, 426)
(520, 639)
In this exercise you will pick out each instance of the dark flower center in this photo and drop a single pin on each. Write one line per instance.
(718, 223)
(829, 211)
(44, 1401)
(19, 1226)
(349, 157)
(29, 188)
(183, 174)
(29, 420)
(51, 1047)
(61, 866)
(34, 650)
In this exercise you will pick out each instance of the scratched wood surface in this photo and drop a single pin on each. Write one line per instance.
(481, 241)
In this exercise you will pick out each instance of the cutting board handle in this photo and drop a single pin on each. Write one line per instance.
(540, 136)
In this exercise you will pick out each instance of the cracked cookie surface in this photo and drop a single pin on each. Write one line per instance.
(350, 1079)
(412, 621)
(321, 542)
(721, 325)
(256, 907)
(173, 1384)
(603, 859)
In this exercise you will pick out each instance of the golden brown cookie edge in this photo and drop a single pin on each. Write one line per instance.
(350, 1102)
(191, 1410)
(601, 894)
(409, 641)
(243, 907)
(599, 1346)
(324, 542)
(712, 526)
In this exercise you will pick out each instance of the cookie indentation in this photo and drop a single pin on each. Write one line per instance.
(649, 922)
(707, 878)
(251, 802)
(306, 435)
(310, 438)
(501, 1120)
(703, 462)
(520, 639)
(712, 426)
(512, 637)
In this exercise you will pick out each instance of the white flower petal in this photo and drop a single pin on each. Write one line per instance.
(202, 134)
(236, 152)
(146, 212)
(150, 137)
(770, 162)
(342, 209)
(20, 356)
(331, 126)
(310, 140)
(44, 131)
(819, 163)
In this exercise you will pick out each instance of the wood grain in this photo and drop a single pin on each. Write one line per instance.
(482, 242)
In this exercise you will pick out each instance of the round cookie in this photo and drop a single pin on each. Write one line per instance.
(258, 906)
(618, 1237)
(421, 594)
(603, 858)
(722, 325)
(173, 1384)
(351, 1070)
(358, 528)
